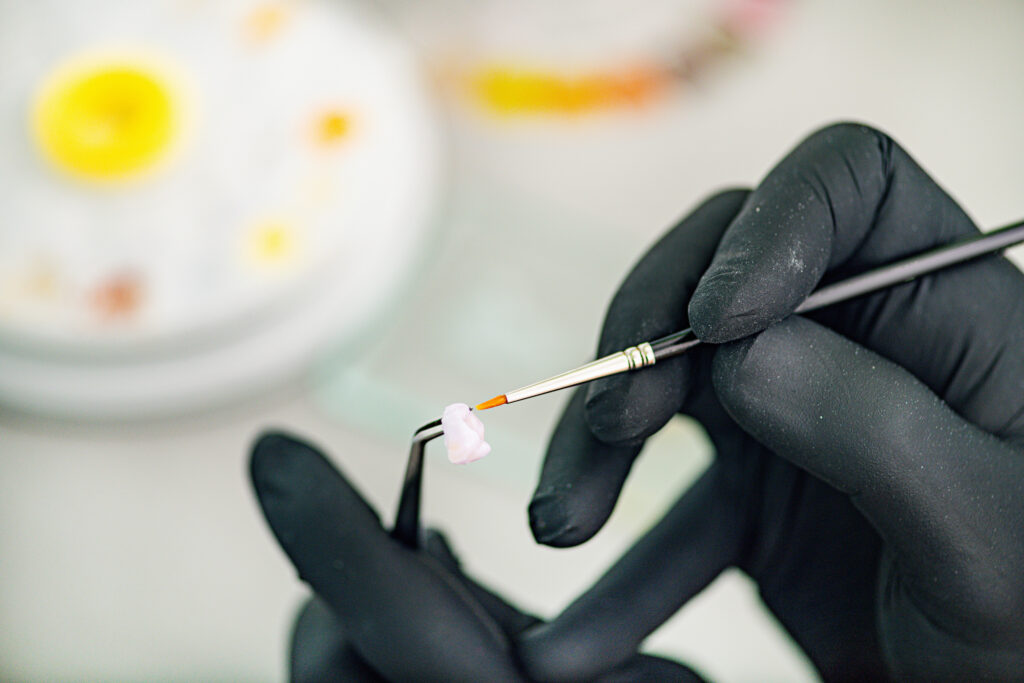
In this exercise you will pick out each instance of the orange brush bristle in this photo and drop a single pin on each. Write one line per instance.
(493, 403)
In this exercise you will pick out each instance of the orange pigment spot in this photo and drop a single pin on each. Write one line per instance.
(119, 297)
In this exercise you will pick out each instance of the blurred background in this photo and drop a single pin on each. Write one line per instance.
(337, 217)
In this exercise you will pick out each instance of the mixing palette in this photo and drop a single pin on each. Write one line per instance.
(183, 177)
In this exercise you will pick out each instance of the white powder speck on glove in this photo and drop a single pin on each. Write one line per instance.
(463, 434)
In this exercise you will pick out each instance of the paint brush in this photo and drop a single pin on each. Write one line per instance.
(648, 353)
(406, 527)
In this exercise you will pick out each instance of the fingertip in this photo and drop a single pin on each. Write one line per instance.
(742, 371)
(792, 366)
(850, 135)
(789, 387)
(719, 311)
(266, 450)
(302, 493)
(552, 525)
(570, 511)
(273, 463)
(808, 215)
(580, 481)
(755, 280)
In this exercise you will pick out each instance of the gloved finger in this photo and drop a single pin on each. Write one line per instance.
(579, 481)
(320, 652)
(509, 618)
(846, 198)
(384, 593)
(651, 303)
(961, 332)
(700, 536)
(603, 427)
(946, 496)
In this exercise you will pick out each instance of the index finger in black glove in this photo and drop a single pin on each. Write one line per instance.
(602, 431)
(849, 198)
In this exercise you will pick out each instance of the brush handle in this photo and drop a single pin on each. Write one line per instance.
(888, 275)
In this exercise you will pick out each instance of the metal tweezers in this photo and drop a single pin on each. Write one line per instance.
(407, 519)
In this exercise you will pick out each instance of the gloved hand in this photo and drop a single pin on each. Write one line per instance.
(869, 470)
(383, 612)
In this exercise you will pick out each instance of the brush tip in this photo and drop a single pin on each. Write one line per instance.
(493, 403)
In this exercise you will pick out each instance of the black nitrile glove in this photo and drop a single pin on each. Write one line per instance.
(384, 612)
(869, 473)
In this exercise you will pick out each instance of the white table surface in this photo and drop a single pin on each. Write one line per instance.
(135, 551)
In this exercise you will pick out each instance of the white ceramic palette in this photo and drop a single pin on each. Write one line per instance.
(196, 196)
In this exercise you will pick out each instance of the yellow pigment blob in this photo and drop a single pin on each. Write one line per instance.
(272, 243)
(509, 90)
(106, 120)
(331, 127)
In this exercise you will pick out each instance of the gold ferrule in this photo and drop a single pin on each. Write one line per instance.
(648, 353)
(639, 356)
